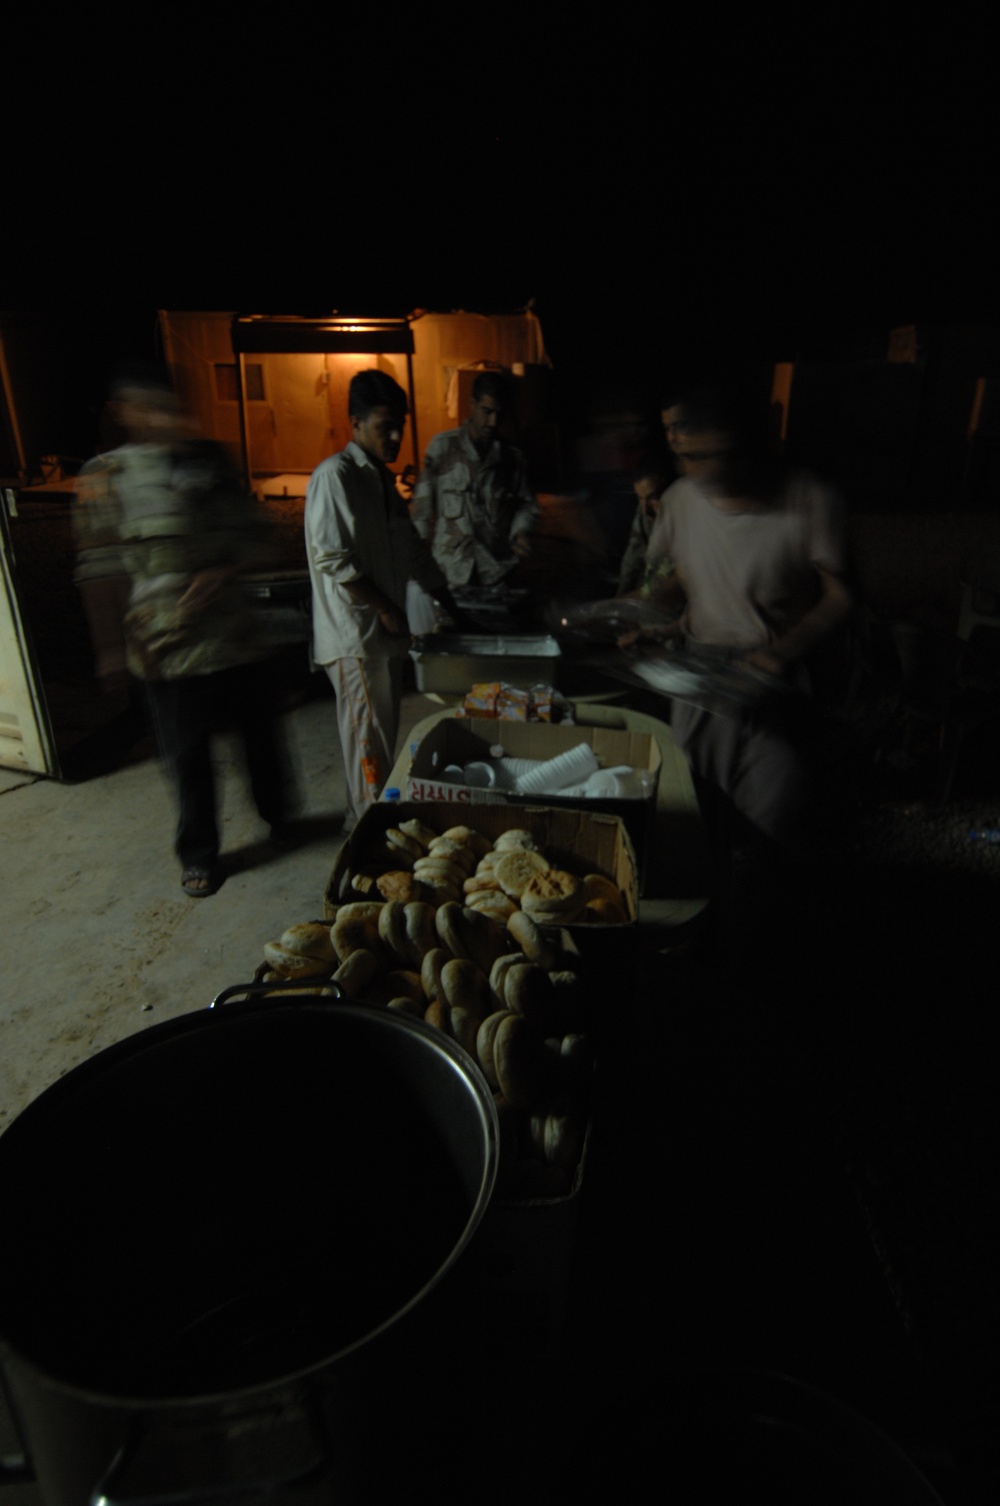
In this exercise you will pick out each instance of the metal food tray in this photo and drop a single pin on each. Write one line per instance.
(449, 663)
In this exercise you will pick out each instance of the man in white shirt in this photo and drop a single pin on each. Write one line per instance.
(758, 563)
(362, 551)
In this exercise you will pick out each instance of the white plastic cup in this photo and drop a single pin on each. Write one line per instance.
(480, 776)
(619, 783)
(554, 774)
(515, 767)
(601, 786)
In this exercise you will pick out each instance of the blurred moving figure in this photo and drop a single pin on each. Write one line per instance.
(169, 508)
(758, 562)
(363, 550)
(473, 503)
(649, 483)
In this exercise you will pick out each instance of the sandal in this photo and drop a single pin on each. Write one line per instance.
(199, 882)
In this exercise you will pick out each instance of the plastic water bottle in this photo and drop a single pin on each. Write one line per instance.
(392, 793)
(986, 834)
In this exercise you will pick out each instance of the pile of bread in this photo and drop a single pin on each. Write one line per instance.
(414, 862)
(503, 989)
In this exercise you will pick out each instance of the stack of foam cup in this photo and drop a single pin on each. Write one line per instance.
(553, 774)
(509, 770)
(620, 783)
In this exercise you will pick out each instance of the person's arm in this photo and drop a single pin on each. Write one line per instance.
(667, 593)
(393, 620)
(633, 566)
(527, 513)
(423, 506)
(831, 610)
(329, 531)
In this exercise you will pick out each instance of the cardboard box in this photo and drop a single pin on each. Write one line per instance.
(525, 1253)
(462, 740)
(582, 841)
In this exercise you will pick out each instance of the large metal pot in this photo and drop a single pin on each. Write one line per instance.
(223, 1237)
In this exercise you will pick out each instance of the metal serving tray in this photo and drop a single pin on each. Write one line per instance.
(448, 663)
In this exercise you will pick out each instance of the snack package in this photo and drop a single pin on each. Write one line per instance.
(481, 700)
(514, 705)
(541, 703)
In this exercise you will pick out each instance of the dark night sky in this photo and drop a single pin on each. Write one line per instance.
(672, 206)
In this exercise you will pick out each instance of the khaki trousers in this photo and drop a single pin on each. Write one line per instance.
(368, 692)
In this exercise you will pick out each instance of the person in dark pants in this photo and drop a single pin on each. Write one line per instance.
(186, 532)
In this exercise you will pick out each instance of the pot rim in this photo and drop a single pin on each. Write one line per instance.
(458, 1061)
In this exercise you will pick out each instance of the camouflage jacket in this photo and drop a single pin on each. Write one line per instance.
(167, 514)
(469, 507)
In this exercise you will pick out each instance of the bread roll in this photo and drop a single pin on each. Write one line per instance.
(513, 840)
(399, 884)
(485, 940)
(466, 986)
(399, 843)
(475, 840)
(518, 1060)
(424, 835)
(514, 870)
(554, 892)
(293, 965)
(528, 992)
(463, 1026)
(596, 886)
(448, 924)
(440, 890)
(358, 970)
(403, 1005)
(310, 939)
(559, 917)
(497, 906)
(431, 868)
(436, 1014)
(498, 975)
(430, 972)
(421, 934)
(356, 929)
(392, 929)
(533, 944)
(454, 852)
(604, 911)
(485, 1037)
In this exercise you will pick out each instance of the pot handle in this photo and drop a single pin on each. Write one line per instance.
(285, 991)
(279, 1447)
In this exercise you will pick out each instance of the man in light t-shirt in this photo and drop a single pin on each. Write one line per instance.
(758, 560)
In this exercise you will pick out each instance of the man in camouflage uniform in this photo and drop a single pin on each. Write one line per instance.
(473, 502)
(184, 532)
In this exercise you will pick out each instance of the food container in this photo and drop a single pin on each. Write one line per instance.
(448, 663)
(222, 1235)
(572, 838)
(455, 742)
